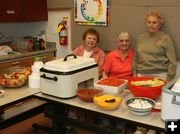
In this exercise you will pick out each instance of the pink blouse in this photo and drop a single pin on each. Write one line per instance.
(98, 54)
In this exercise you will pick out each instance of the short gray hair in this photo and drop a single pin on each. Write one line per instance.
(124, 34)
(156, 14)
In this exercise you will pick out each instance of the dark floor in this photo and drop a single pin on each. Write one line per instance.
(25, 127)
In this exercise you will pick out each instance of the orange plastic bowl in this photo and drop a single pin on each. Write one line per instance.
(88, 94)
(145, 91)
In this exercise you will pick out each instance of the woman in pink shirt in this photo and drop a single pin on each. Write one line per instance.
(89, 48)
(118, 63)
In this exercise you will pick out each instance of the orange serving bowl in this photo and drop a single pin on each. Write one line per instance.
(145, 91)
(88, 94)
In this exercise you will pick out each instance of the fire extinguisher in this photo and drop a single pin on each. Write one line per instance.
(63, 33)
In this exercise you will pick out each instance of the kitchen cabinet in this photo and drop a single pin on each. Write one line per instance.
(23, 10)
(25, 61)
(11, 10)
(36, 10)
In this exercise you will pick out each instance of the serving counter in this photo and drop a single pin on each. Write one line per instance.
(152, 120)
(15, 110)
(16, 94)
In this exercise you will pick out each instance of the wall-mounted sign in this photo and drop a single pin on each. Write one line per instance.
(92, 12)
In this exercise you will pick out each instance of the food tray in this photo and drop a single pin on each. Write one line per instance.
(111, 89)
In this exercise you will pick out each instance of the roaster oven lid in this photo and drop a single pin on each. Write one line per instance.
(69, 64)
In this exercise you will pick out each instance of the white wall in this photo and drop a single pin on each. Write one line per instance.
(54, 18)
(178, 70)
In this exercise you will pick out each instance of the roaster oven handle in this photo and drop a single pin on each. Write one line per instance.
(49, 78)
(174, 101)
(65, 58)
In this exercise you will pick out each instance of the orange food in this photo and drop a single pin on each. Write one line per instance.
(88, 94)
(107, 102)
(15, 79)
(1, 79)
(111, 81)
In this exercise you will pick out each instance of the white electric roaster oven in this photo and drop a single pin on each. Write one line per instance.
(62, 77)
(170, 109)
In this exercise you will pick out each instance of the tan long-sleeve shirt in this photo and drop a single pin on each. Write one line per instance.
(155, 54)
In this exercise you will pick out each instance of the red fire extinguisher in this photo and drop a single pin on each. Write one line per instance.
(63, 33)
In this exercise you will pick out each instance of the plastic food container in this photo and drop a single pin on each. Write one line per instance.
(112, 88)
(34, 78)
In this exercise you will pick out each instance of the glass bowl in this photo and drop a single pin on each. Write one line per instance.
(16, 77)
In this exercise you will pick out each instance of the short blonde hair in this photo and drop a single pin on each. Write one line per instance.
(156, 14)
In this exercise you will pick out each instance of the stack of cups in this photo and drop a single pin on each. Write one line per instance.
(34, 78)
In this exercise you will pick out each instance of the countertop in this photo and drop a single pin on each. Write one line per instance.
(18, 104)
(25, 54)
(153, 119)
(13, 94)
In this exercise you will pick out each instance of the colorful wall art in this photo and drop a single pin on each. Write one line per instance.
(92, 12)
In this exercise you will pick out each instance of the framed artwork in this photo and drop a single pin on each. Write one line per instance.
(92, 12)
